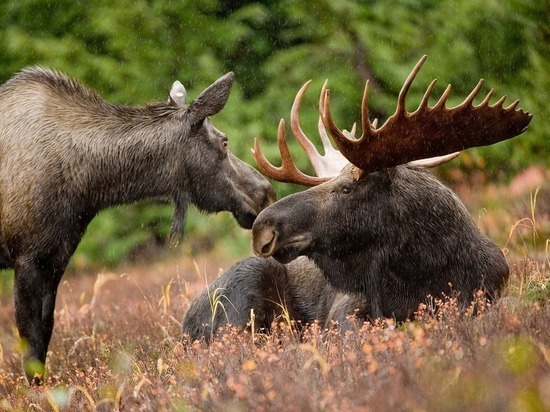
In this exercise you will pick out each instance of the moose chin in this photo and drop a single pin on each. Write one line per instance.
(67, 154)
(377, 234)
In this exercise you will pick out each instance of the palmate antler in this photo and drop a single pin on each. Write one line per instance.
(429, 132)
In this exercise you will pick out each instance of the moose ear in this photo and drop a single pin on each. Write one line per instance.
(178, 94)
(212, 99)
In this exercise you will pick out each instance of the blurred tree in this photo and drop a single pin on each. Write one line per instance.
(132, 51)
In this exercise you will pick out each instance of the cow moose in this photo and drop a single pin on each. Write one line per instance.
(377, 235)
(66, 154)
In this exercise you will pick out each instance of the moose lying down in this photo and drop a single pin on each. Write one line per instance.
(377, 236)
(66, 154)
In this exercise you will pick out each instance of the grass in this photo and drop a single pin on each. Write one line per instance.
(117, 346)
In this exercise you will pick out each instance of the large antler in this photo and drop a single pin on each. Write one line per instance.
(427, 132)
(326, 167)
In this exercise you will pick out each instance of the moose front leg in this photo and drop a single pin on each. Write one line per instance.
(49, 294)
(34, 300)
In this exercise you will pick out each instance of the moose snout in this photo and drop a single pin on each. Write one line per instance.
(251, 207)
(264, 241)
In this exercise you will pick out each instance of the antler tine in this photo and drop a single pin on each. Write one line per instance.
(366, 126)
(345, 144)
(487, 98)
(302, 139)
(512, 107)
(499, 103)
(287, 172)
(443, 99)
(322, 131)
(434, 161)
(424, 103)
(345, 141)
(331, 163)
(469, 100)
(429, 131)
(406, 86)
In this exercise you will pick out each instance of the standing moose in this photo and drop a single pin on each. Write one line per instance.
(66, 154)
(378, 234)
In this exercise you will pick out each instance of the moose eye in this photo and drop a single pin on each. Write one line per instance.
(345, 190)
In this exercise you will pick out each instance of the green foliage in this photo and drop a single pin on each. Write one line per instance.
(6, 283)
(121, 233)
(132, 51)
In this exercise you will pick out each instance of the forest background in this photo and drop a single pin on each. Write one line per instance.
(131, 51)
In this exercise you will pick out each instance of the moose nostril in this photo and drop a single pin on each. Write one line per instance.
(264, 242)
(265, 249)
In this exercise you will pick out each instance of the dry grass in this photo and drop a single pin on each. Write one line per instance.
(117, 346)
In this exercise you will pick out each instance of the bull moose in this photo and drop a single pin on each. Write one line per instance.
(66, 154)
(378, 234)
